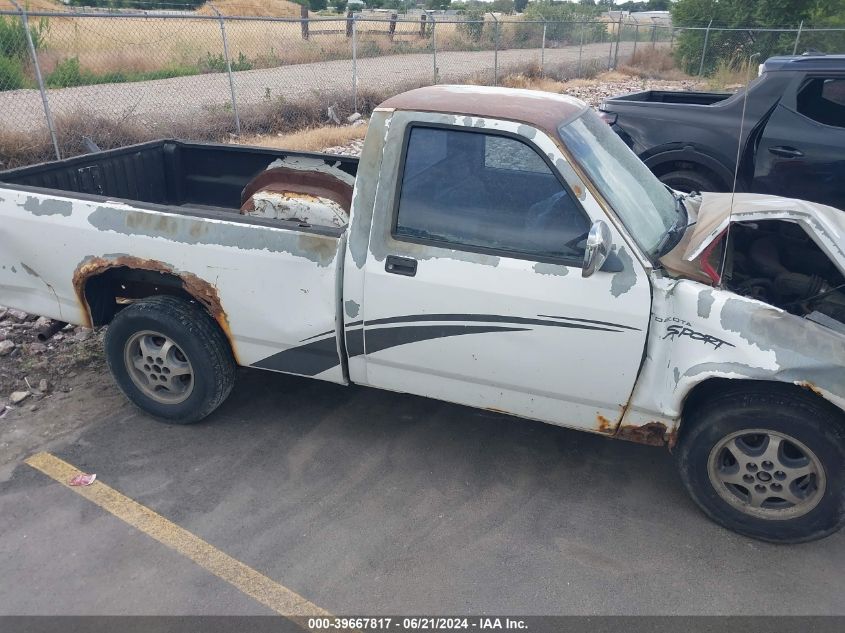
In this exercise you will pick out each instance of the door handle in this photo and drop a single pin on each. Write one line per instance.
(401, 265)
(786, 152)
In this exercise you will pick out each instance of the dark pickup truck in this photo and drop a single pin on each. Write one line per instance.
(793, 139)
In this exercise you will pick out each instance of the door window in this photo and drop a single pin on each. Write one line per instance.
(486, 192)
(823, 100)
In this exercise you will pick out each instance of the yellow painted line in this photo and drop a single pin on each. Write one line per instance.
(243, 577)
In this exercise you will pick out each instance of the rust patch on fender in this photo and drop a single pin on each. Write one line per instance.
(652, 433)
(808, 385)
(605, 425)
(202, 291)
(673, 438)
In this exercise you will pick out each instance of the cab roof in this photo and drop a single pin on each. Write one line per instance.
(804, 63)
(543, 110)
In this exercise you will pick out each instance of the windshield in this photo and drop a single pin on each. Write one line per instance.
(647, 209)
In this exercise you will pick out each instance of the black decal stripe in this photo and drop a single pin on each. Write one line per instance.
(310, 338)
(355, 342)
(317, 356)
(308, 360)
(379, 339)
(493, 318)
(619, 325)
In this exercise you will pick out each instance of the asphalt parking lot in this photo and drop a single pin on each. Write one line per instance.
(367, 502)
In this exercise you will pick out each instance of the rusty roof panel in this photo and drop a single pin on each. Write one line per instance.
(543, 110)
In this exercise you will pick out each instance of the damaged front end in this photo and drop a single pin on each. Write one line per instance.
(786, 253)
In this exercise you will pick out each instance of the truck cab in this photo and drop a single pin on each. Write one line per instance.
(472, 248)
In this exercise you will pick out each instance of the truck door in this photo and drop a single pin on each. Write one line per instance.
(800, 152)
(472, 284)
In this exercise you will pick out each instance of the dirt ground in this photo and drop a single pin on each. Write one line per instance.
(65, 380)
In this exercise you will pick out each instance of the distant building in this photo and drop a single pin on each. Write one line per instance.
(661, 18)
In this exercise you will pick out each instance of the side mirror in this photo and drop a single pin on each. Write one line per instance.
(598, 248)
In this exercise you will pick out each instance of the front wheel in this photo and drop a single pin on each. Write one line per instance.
(170, 358)
(765, 463)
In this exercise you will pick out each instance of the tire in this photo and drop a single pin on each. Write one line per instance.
(689, 180)
(170, 358)
(805, 429)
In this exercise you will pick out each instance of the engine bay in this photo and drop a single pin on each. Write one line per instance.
(777, 262)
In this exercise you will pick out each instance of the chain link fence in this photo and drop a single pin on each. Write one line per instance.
(201, 76)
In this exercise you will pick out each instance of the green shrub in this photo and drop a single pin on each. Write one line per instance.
(217, 63)
(474, 27)
(68, 73)
(13, 38)
(11, 74)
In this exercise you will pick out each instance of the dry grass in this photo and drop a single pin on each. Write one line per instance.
(302, 123)
(730, 75)
(105, 45)
(33, 5)
(309, 140)
(653, 63)
(108, 45)
(266, 8)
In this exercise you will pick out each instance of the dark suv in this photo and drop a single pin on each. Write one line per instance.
(793, 140)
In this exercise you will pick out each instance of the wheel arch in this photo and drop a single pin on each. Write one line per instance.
(103, 285)
(667, 159)
(716, 386)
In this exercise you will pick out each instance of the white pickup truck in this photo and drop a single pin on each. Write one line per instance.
(496, 248)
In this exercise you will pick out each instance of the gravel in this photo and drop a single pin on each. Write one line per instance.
(30, 369)
(592, 93)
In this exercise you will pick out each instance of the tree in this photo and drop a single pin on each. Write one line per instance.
(502, 6)
(734, 48)
(317, 5)
(519, 5)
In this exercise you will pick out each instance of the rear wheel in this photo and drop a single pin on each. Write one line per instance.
(767, 464)
(170, 358)
(689, 180)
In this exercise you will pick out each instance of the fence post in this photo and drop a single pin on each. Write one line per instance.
(653, 33)
(349, 17)
(543, 51)
(355, 62)
(434, 45)
(228, 68)
(618, 40)
(391, 28)
(797, 38)
(303, 14)
(44, 101)
(423, 17)
(495, 50)
(636, 39)
(610, 52)
(580, 48)
(704, 48)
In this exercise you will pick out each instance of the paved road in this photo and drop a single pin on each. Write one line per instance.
(371, 502)
(182, 97)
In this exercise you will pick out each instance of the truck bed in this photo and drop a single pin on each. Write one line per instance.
(166, 172)
(680, 97)
(81, 237)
